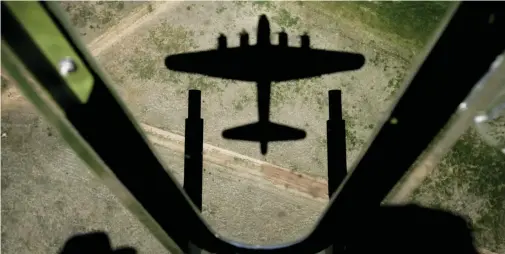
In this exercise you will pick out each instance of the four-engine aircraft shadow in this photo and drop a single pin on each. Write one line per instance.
(264, 63)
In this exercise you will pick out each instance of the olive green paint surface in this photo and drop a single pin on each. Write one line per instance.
(41, 28)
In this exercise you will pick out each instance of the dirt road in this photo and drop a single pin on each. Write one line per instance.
(128, 25)
(243, 167)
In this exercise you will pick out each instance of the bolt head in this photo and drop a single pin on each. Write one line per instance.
(67, 66)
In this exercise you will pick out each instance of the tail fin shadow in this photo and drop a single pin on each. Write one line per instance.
(264, 132)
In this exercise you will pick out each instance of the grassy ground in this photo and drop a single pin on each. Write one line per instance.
(92, 18)
(157, 96)
(409, 24)
(470, 181)
(389, 34)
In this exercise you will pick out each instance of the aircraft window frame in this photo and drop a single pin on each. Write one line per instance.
(379, 168)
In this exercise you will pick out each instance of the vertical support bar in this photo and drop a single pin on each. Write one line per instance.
(193, 157)
(193, 148)
(336, 149)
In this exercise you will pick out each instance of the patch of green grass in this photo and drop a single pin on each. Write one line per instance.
(240, 3)
(320, 150)
(238, 105)
(220, 9)
(396, 82)
(80, 15)
(106, 17)
(296, 89)
(5, 83)
(91, 15)
(204, 84)
(472, 169)
(377, 60)
(279, 95)
(299, 86)
(171, 39)
(145, 68)
(281, 92)
(321, 100)
(139, 66)
(242, 101)
(83, 14)
(413, 21)
(116, 5)
(470, 153)
(147, 60)
(285, 19)
(352, 140)
(263, 4)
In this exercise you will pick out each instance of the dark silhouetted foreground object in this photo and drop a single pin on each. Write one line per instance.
(93, 243)
(193, 149)
(409, 229)
(336, 148)
(193, 154)
(264, 63)
(335, 142)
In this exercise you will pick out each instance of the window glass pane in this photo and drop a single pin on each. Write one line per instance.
(249, 197)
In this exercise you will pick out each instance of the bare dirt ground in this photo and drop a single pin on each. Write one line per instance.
(43, 182)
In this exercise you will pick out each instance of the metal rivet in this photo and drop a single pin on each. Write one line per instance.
(67, 66)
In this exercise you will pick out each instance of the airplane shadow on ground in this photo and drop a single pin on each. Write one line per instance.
(264, 63)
